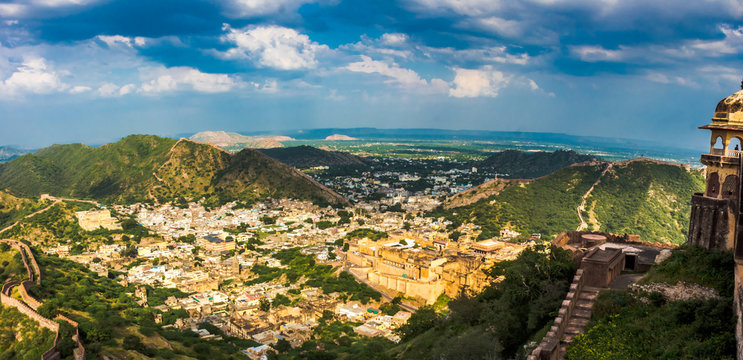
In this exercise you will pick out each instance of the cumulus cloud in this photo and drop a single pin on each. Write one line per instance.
(404, 78)
(273, 46)
(187, 78)
(483, 82)
(731, 44)
(113, 90)
(34, 76)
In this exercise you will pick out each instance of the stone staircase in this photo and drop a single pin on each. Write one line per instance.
(579, 318)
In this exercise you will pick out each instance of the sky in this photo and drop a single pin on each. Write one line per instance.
(94, 71)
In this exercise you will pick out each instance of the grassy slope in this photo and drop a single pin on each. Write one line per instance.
(545, 206)
(647, 199)
(641, 197)
(13, 208)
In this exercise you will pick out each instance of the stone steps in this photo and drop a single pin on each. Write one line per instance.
(580, 317)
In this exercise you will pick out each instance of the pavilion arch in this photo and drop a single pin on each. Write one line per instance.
(734, 142)
(717, 144)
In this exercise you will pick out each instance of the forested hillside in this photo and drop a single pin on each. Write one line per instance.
(303, 157)
(514, 164)
(640, 197)
(545, 206)
(147, 168)
(644, 198)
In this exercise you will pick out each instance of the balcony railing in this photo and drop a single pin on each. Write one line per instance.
(726, 153)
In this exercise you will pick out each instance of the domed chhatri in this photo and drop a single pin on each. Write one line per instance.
(730, 109)
(717, 214)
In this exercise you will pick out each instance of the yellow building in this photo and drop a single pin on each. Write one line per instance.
(216, 244)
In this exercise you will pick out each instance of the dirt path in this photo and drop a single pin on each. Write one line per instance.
(582, 207)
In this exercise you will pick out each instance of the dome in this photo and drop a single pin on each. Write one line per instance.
(730, 108)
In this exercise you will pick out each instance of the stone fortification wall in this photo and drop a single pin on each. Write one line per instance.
(29, 304)
(549, 348)
(428, 291)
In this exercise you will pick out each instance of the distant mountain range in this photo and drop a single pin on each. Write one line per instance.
(515, 164)
(303, 157)
(232, 139)
(146, 167)
(9, 153)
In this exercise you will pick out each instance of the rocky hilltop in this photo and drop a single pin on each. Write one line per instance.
(232, 139)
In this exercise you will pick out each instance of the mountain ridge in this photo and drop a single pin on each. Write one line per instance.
(147, 167)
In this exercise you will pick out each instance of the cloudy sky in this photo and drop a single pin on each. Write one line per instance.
(96, 70)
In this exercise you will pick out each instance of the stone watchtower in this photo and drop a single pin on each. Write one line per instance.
(716, 213)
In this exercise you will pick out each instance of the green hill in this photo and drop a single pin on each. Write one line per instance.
(146, 168)
(303, 157)
(515, 164)
(640, 197)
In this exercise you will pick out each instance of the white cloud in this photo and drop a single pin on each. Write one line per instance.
(251, 8)
(483, 82)
(115, 40)
(113, 90)
(394, 39)
(273, 46)
(590, 53)
(33, 77)
(501, 26)
(187, 78)
(79, 89)
(60, 3)
(731, 44)
(404, 78)
(10, 10)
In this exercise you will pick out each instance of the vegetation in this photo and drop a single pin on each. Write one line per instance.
(305, 157)
(14, 208)
(640, 197)
(300, 266)
(645, 198)
(514, 164)
(545, 206)
(112, 323)
(21, 337)
(145, 168)
(496, 322)
(361, 233)
(626, 325)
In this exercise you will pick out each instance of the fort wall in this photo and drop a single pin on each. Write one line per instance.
(549, 348)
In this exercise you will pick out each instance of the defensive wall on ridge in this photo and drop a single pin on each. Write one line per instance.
(29, 305)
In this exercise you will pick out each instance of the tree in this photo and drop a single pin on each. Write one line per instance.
(282, 346)
(265, 305)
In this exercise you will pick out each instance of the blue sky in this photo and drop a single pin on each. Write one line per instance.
(96, 70)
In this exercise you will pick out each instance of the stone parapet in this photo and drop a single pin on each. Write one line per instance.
(549, 347)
